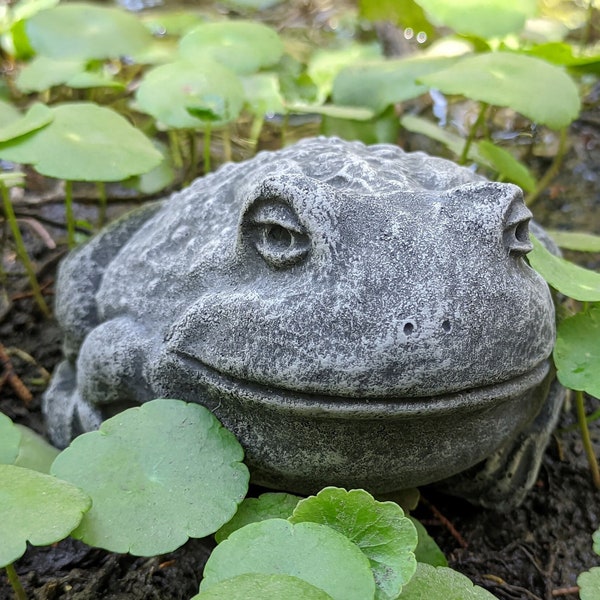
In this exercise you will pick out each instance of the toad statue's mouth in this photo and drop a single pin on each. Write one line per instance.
(213, 381)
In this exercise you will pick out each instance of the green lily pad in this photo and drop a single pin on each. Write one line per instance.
(404, 13)
(596, 541)
(94, 79)
(575, 240)
(84, 142)
(315, 553)
(22, 447)
(158, 475)
(8, 113)
(168, 92)
(569, 279)
(25, 9)
(441, 583)
(265, 587)
(577, 351)
(262, 94)
(325, 64)
(484, 18)
(589, 584)
(38, 116)
(158, 178)
(383, 129)
(10, 439)
(34, 451)
(379, 84)
(380, 529)
(84, 31)
(243, 46)
(42, 73)
(36, 508)
(427, 551)
(271, 505)
(540, 91)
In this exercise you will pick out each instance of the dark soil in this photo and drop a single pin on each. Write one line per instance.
(533, 552)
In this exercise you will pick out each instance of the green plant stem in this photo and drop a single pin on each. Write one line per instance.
(207, 140)
(175, 150)
(256, 129)
(193, 154)
(552, 171)
(227, 143)
(586, 38)
(472, 133)
(15, 582)
(70, 217)
(101, 203)
(22, 251)
(585, 437)
(284, 129)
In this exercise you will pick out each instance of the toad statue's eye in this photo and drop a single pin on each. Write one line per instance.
(279, 237)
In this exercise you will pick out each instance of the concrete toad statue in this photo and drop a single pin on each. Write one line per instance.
(356, 315)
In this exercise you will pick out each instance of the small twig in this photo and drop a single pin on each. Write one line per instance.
(574, 589)
(9, 375)
(446, 523)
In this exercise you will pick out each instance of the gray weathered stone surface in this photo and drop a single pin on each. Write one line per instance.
(357, 316)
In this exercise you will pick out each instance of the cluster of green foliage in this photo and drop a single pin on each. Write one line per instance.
(156, 475)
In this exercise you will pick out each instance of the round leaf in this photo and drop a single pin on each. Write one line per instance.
(596, 541)
(86, 31)
(8, 113)
(484, 18)
(157, 475)
(427, 551)
(265, 587)
(577, 352)
(540, 91)
(38, 116)
(272, 505)
(589, 584)
(84, 142)
(10, 438)
(312, 552)
(168, 92)
(35, 508)
(243, 46)
(262, 94)
(441, 583)
(378, 84)
(34, 451)
(569, 279)
(380, 529)
(42, 73)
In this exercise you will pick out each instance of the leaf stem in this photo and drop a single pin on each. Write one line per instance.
(175, 150)
(472, 133)
(193, 154)
(207, 140)
(70, 217)
(22, 251)
(255, 130)
(552, 171)
(101, 203)
(585, 438)
(15, 582)
(227, 143)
